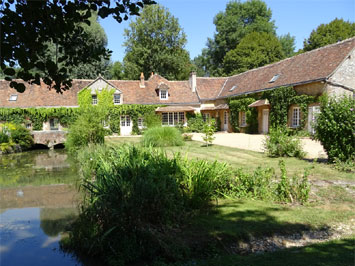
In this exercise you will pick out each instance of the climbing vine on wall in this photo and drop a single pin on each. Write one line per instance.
(237, 105)
(280, 101)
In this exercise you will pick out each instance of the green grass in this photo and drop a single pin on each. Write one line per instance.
(250, 160)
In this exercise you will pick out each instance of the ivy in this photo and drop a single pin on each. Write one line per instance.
(237, 105)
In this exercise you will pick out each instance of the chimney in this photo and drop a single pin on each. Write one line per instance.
(141, 83)
(151, 75)
(192, 81)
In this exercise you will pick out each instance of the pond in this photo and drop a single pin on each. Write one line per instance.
(38, 199)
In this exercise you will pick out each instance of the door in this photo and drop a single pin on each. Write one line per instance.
(265, 121)
(126, 125)
(312, 115)
(225, 121)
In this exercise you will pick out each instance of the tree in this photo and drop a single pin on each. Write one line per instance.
(116, 70)
(335, 31)
(28, 26)
(288, 44)
(238, 20)
(155, 43)
(255, 50)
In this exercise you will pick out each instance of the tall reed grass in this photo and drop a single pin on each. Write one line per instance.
(162, 137)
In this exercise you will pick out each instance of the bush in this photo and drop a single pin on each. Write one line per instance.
(162, 137)
(279, 144)
(152, 120)
(208, 130)
(87, 129)
(21, 136)
(195, 123)
(335, 127)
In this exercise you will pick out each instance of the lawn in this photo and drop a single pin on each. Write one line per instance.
(229, 221)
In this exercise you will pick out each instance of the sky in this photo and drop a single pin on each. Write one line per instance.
(297, 17)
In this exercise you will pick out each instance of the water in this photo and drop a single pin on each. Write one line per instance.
(38, 200)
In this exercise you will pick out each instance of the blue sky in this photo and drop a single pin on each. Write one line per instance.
(298, 17)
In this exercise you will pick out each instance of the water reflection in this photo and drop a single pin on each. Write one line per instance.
(30, 237)
(37, 167)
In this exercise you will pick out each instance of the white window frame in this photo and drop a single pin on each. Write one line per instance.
(166, 94)
(119, 99)
(55, 124)
(94, 99)
(125, 121)
(243, 119)
(296, 117)
(172, 118)
(206, 117)
(13, 98)
(140, 122)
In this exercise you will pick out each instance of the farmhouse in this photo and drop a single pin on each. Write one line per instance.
(330, 69)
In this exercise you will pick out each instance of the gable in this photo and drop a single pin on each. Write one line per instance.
(99, 84)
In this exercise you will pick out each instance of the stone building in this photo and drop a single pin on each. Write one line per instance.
(330, 69)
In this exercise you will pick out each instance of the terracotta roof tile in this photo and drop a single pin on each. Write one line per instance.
(208, 88)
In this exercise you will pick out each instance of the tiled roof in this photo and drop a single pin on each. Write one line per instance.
(303, 68)
(175, 109)
(259, 103)
(208, 88)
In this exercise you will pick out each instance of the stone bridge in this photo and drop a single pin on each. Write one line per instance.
(49, 138)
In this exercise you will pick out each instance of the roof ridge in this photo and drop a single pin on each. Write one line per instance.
(289, 58)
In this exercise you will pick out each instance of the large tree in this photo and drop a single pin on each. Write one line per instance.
(28, 26)
(238, 20)
(335, 31)
(255, 50)
(288, 44)
(155, 43)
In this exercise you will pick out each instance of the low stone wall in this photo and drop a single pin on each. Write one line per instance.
(49, 138)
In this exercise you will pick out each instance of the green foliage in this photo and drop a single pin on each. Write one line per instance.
(195, 122)
(255, 50)
(63, 25)
(279, 144)
(208, 130)
(280, 101)
(117, 70)
(155, 43)
(87, 129)
(288, 44)
(345, 166)
(151, 119)
(241, 105)
(335, 31)
(238, 20)
(335, 127)
(162, 137)
(21, 136)
(292, 190)
(37, 116)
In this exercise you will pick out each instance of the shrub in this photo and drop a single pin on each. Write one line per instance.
(162, 137)
(335, 127)
(278, 144)
(195, 123)
(152, 120)
(21, 136)
(85, 130)
(4, 138)
(208, 130)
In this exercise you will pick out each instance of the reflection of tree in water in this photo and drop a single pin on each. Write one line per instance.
(55, 220)
(36, 167)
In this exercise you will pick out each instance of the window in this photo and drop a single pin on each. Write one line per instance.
(243, 119)
(13, 98)
(206, 117)
(94, 99)
(28, 125)
(117, 98)
(274, 78)
(163, 94)
(53, 123)
(173, 119)
(125, 121)
(225, 118)
(140, 122)
(296, 117)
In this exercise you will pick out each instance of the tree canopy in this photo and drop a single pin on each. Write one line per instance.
(255, 50)
(238, 20)
(155, 43)
(27, 27)
(335, 31)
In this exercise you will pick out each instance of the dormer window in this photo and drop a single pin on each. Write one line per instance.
(94, 99)
(117, 98)
(13, 98)
(163, 94)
